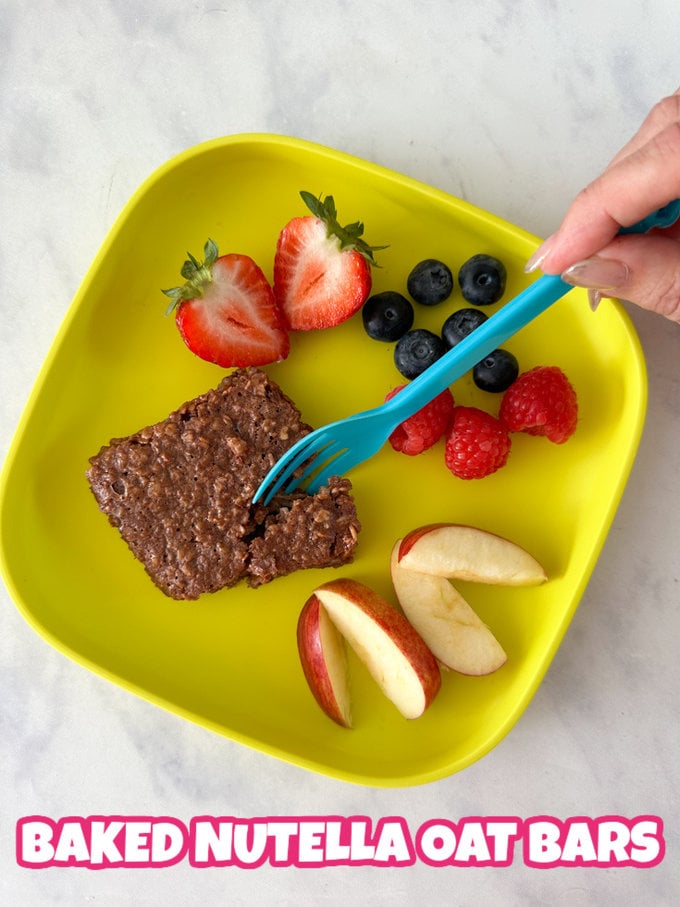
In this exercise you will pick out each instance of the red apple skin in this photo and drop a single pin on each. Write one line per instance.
(315, 666)
(412, 537)
(396, 626)
(530, 574)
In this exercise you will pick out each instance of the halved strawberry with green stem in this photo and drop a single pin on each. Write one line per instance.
(322, 271)
(226, 311)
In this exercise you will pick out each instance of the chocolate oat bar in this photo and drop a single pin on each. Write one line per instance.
(180, 493)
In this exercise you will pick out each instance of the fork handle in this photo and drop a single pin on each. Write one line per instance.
(512, 317)
(499, 327)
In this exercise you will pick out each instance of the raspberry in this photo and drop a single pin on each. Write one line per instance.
(477, 443)
(424, 428)
(541, 402)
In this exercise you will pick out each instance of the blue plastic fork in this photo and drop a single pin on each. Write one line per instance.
(339, 446)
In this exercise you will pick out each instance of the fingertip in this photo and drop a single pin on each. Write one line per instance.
(535, 261)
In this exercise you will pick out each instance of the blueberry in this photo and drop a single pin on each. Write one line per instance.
(460, 324)
(430, 282)
(416, 351)
(482, 279)
(387, 316)
(496, 372)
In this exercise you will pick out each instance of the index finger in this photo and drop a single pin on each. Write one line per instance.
(646, 178)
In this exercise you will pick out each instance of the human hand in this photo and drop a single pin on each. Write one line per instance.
(585, 250)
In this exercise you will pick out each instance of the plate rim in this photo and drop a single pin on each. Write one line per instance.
(424, 189)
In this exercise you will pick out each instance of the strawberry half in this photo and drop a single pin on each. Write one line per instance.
(226, 311)
(322, 271)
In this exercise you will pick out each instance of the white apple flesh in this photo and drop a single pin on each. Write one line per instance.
(394, 654)
(323, 656)
(465, 552)
(453, 631)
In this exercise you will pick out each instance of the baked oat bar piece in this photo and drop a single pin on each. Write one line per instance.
(318, 530)
(180, 491)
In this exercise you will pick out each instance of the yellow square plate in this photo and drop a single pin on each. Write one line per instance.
(229, 662)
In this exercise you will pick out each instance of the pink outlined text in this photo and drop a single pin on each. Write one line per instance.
(544, 842)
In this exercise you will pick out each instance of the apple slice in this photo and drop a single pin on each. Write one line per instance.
(323, 655)
(395, 655)
(465, 552)
(453, 631)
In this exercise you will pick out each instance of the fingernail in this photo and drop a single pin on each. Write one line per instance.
(539, 256)
(597, 274)
(594, 299)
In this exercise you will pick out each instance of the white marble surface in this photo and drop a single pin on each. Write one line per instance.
(513, 105)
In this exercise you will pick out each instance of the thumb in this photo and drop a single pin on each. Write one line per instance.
(644, 270)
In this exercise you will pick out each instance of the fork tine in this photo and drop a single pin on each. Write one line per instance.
(357, 446)
(327, 454)
(336, 467)
(283, 469)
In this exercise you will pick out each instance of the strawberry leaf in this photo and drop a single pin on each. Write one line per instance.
(350, 235)
(197, 276)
